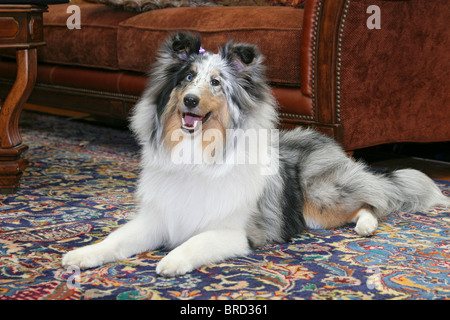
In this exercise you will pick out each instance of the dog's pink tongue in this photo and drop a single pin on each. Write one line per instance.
(189, 119)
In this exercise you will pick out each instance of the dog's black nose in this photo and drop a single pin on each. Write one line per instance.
(191, 101)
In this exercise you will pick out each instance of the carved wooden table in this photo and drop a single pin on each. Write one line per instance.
(21, 27)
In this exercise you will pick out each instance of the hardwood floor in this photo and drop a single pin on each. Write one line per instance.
(55, 111)
(434, 169)
(423, 161)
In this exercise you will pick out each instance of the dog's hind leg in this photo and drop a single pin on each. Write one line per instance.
(366, 222)
(339, 215)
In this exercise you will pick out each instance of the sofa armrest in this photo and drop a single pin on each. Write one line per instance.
(372, 86)
(321, 30)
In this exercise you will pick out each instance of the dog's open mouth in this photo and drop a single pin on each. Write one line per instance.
(191, 121)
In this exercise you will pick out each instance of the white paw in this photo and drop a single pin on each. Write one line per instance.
(85, 258)
(366, 225)
(176, 263)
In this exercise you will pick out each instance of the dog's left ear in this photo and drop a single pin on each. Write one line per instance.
(242, 56)
(184, 44)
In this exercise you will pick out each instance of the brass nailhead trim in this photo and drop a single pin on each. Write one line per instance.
(339, 62)
(295, 116)
(313, 63)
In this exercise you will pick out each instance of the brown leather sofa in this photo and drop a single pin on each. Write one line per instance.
(328, 69)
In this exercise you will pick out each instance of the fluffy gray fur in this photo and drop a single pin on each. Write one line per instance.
(331, 179)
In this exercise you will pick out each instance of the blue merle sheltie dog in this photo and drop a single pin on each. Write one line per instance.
(210, 208)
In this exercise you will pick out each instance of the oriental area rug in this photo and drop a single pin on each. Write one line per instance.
(79, 187)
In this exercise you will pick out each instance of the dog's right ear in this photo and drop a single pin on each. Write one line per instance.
(182, 45)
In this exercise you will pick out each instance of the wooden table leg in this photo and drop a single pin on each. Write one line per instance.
(22, 29)
(12, 163)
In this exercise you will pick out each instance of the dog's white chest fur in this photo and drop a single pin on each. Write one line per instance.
(189, 202)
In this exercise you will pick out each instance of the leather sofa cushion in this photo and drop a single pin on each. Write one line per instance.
(119, 40)
(276, 30)
(94, 45)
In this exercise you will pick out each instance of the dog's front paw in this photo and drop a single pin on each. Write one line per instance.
(174, 264)
(84, 258)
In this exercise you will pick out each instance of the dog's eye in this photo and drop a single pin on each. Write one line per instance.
(215, 82)
(189, 77)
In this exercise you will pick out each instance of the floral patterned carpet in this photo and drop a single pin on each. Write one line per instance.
(79, 187)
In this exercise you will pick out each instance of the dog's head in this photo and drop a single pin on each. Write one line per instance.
(192, 90)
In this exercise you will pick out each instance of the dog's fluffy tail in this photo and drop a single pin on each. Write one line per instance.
(409, 190)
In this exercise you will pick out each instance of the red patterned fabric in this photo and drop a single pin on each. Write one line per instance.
(147, 5)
